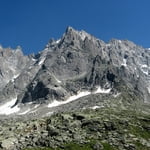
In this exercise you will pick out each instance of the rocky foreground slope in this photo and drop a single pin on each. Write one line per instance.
(109, 128)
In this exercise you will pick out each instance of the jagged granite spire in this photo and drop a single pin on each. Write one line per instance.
(77, 62)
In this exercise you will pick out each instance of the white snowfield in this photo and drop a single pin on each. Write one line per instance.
(6, 109)
(70, 99)
(56, 103)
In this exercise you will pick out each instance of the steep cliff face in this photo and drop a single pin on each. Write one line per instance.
(77, 62)
(12, 62)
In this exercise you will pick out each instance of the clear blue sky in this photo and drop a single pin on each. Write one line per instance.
(31, 23)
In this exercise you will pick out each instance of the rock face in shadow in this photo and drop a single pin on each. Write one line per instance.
(76, 62)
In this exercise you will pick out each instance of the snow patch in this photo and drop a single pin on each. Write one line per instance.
(25, 112)
(7, 108)
(56, 103)
(124, 62)
(108, 45)
(145, 72)
(116, 95)
(29, 103)
(36, 106)
(41, 61)
(148, 88)
(30, 67)
(101, 90)
(144, 66)
(119, 41)
(95, 107)
(57, 79)
(30, 110)
(33, 59)
(79, 95)
(70, 99)
(145, 69)
(15, 76)
(58, 41)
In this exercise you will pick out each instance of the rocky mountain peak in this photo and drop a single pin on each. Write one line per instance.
(80, 35)
(75, 66)
(77, 93)
(70, 29)
(74, 38)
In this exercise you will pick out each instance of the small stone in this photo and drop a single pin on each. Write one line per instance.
(52, 131)
(78, 116)
(8, 143)
(97, 146)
